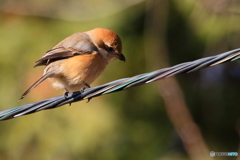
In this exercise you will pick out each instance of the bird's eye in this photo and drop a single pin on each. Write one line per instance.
(110, 49)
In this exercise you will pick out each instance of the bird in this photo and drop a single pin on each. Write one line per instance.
(76, 61)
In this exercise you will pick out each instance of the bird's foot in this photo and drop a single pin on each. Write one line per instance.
(82, 90)
(88, 100)
(87, 85)
(66, 94)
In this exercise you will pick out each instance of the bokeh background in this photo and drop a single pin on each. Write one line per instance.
(181, 118)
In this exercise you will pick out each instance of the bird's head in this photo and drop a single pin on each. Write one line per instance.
(108, 43)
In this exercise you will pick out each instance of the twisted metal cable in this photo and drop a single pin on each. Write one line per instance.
(119, 85)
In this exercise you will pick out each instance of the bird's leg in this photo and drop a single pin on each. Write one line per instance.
(82, 90)
(66, 93)
(87, 85)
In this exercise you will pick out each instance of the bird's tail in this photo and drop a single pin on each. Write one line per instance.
(45, 76)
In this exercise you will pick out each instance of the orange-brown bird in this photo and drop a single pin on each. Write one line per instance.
(75, 62)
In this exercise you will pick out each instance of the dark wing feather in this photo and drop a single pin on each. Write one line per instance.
(54, 55)
(64, 50)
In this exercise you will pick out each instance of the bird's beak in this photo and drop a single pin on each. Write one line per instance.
(121, 57)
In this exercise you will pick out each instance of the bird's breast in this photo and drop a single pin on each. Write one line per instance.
(80, 69)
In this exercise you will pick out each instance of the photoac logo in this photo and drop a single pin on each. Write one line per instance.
(212, 154)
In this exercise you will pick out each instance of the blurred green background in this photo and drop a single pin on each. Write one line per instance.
(132, 124)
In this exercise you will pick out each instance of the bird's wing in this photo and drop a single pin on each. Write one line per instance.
(63, 51)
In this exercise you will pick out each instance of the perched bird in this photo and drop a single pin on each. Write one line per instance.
(75, 62)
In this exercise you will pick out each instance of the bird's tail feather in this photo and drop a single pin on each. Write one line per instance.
(45, 76)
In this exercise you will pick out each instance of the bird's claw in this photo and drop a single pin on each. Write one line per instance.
(88, 100)
(66, 94)
(82, 90)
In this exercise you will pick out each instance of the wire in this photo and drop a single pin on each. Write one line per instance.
(119, 85)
